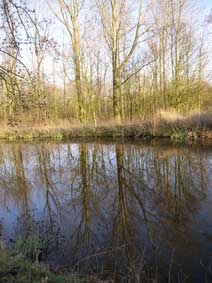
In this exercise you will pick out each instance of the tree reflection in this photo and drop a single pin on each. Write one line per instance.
(116, 200)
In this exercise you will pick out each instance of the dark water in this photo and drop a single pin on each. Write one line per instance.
(127, 209)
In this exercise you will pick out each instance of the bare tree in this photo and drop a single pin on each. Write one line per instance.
(115, 17)
(69, 17)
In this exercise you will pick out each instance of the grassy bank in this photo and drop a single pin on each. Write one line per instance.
(175, 127)
(15, 268)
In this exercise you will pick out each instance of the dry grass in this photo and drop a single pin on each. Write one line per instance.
(170, 115)
(167, 124)
(193, 120)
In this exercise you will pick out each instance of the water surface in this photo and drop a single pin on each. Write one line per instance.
(116, 208)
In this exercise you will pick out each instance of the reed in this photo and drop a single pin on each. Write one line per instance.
(165, 125)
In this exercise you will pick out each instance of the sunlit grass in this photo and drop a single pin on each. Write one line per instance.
(165, 124)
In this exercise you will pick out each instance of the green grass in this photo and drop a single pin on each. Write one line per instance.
(16, 267)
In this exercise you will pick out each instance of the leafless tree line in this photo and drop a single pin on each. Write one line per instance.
(107, 59)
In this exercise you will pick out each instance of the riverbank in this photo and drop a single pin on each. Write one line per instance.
(194, 128)
(15, 268)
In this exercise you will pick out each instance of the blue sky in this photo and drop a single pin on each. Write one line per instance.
(208, 4)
